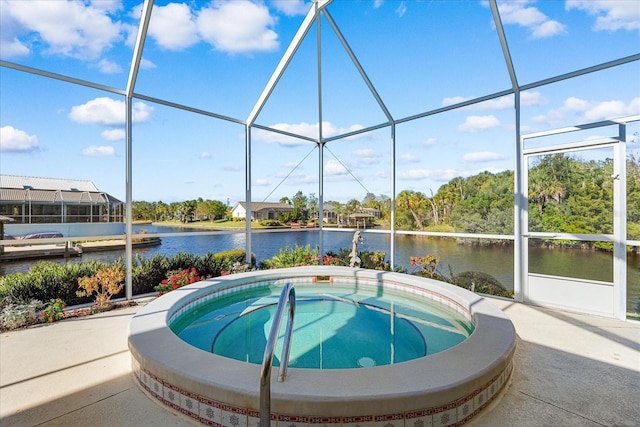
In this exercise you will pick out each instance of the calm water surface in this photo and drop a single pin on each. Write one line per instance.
(457, 258)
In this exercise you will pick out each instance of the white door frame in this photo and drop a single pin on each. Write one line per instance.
(604, 298)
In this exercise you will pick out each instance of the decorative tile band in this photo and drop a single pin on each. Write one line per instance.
(215, 413)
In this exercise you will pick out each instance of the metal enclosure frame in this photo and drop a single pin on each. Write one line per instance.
(317, 10)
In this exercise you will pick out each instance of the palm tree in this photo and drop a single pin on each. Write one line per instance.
(415, 203)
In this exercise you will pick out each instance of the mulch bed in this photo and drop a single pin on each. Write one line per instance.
(80, 312)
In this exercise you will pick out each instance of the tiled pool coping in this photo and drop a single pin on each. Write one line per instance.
(448, 388)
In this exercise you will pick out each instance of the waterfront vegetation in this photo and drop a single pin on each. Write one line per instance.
(567, 194)
(21, 294)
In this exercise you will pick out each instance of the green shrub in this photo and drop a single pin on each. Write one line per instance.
(234, 256)
(12, 287)
(214, 265)
(210, 265)
(46, 281)
(292, 257)
(441, 228)
(53, 310)
(182, 260)
(270, 223)
(148, 272)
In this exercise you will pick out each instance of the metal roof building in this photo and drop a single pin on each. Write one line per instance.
(30, 200)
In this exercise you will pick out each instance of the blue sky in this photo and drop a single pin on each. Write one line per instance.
(218, 56)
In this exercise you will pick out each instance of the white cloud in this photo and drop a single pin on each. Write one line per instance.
(108, 111)
(611, 109)
(501, 103)
(11, 47)
(205, 155)
(441, 175)
(261, 182)
(66, 28)
(173, 26)
(334, 168)
(528, 98)
(429, 141)
(576, 104)
(114, 134)
(401, 9)
(109, 67)
(238, 26)
(483, 156)
(547, 29)
(576, 110)
(452, 100)
(611, 15)
(479, 123)
(110, 6)
(10, 29)
(302, 179)
(303, 129)
(146, 64)
(310, 130)
(16, 140)
(291, 7)
(409, 158)
(98, 151)
(329, 130)
(367, 156)
(538, 24)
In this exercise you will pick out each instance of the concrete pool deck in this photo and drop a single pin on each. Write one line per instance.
(570, 370)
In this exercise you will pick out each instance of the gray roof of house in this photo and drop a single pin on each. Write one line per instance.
(37, 183)
(15, 188)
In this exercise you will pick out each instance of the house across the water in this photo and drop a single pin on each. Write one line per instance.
(32, 200)
(260, 210)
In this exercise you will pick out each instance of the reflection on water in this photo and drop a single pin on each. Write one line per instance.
(456, 258)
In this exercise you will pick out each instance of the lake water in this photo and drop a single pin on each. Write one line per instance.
(494, 260)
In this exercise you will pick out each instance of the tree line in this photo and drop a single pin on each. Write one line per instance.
(185, 211)
(566, 194)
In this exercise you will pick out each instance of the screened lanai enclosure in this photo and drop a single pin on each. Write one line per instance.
(510, 129)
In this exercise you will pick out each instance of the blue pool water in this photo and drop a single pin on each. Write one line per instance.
(334, 327)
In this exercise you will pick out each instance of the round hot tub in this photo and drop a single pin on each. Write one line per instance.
(371, 346)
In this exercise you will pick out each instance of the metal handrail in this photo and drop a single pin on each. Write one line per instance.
(267, 361)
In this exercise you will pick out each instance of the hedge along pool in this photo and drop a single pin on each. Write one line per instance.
(337, 325)
(451, 386)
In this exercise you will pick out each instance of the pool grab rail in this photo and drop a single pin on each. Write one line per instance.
(288, 292)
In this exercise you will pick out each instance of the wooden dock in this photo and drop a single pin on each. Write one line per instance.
(19, 253)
